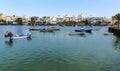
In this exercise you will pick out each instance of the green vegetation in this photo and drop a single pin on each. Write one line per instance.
(19, 21)
(117, 19)
(3, 21)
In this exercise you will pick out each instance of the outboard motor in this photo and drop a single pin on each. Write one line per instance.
(9, 34)
(29, 34)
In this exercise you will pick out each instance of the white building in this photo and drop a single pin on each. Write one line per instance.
(59, 18)
(95, 20)
(68, 18)
(2, 16)
(106, 19)
(25, 19)
(80, 18)
(53, 20)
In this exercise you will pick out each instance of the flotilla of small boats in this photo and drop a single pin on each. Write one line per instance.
(79, 31)
(45, 29)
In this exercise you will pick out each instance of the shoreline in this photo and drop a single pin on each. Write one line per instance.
(54, 25)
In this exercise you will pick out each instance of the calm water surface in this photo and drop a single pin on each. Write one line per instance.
(59, 51)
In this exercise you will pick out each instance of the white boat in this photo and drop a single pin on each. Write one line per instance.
(21, 36)
(34, 29)
(46, 30)
(54, 28)
(96, 29)
(76, 33)
(108, 33)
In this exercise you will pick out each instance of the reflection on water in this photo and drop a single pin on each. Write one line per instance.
(9, 43)
(116, 42)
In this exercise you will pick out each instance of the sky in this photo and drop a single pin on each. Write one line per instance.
(106, 8)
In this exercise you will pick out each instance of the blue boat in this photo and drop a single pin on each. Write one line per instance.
(20, 36)
(88, 30)
(80, 30)
(46, 30)
(83, 30)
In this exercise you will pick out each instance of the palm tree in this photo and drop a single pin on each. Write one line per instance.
(117, 18)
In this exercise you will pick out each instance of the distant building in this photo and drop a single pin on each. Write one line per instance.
(69, 18)
(106, 19)
(46, 19)
(34, 20)
(2, 16)
(9, 20)
(53, 20)
(25, 19)
(59, 19)
(80, 18)
(94, 20)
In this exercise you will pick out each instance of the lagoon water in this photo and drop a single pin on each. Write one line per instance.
(59, 51)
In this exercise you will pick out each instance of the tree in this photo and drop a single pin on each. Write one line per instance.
(44, 20)
(19, 21)
(117, 18)
(3, 21)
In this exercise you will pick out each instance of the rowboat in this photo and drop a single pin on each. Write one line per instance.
(54, 28)
(76, 33)
(34, 29)
(46, 30)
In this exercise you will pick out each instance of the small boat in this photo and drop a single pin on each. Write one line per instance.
(21, 36)
(79, 30)
(54, 28)
(76, 33)
(83, 30)
(88, 30)
(35, 29)
(108, 33)
(97, 29)
(46, 30)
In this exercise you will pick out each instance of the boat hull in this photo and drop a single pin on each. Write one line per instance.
(83, 30)
(20, 37)
(76, 33)
(34, 29)
(46, 30)
(55, 28)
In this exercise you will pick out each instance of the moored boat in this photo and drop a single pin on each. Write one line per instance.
(35, 29)
(76, 33)
(96, 28)
(54, 28)
(108, 33)
(46, 30)
(88, 30)
(83, 30)
(79, 30)
(21, 36)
